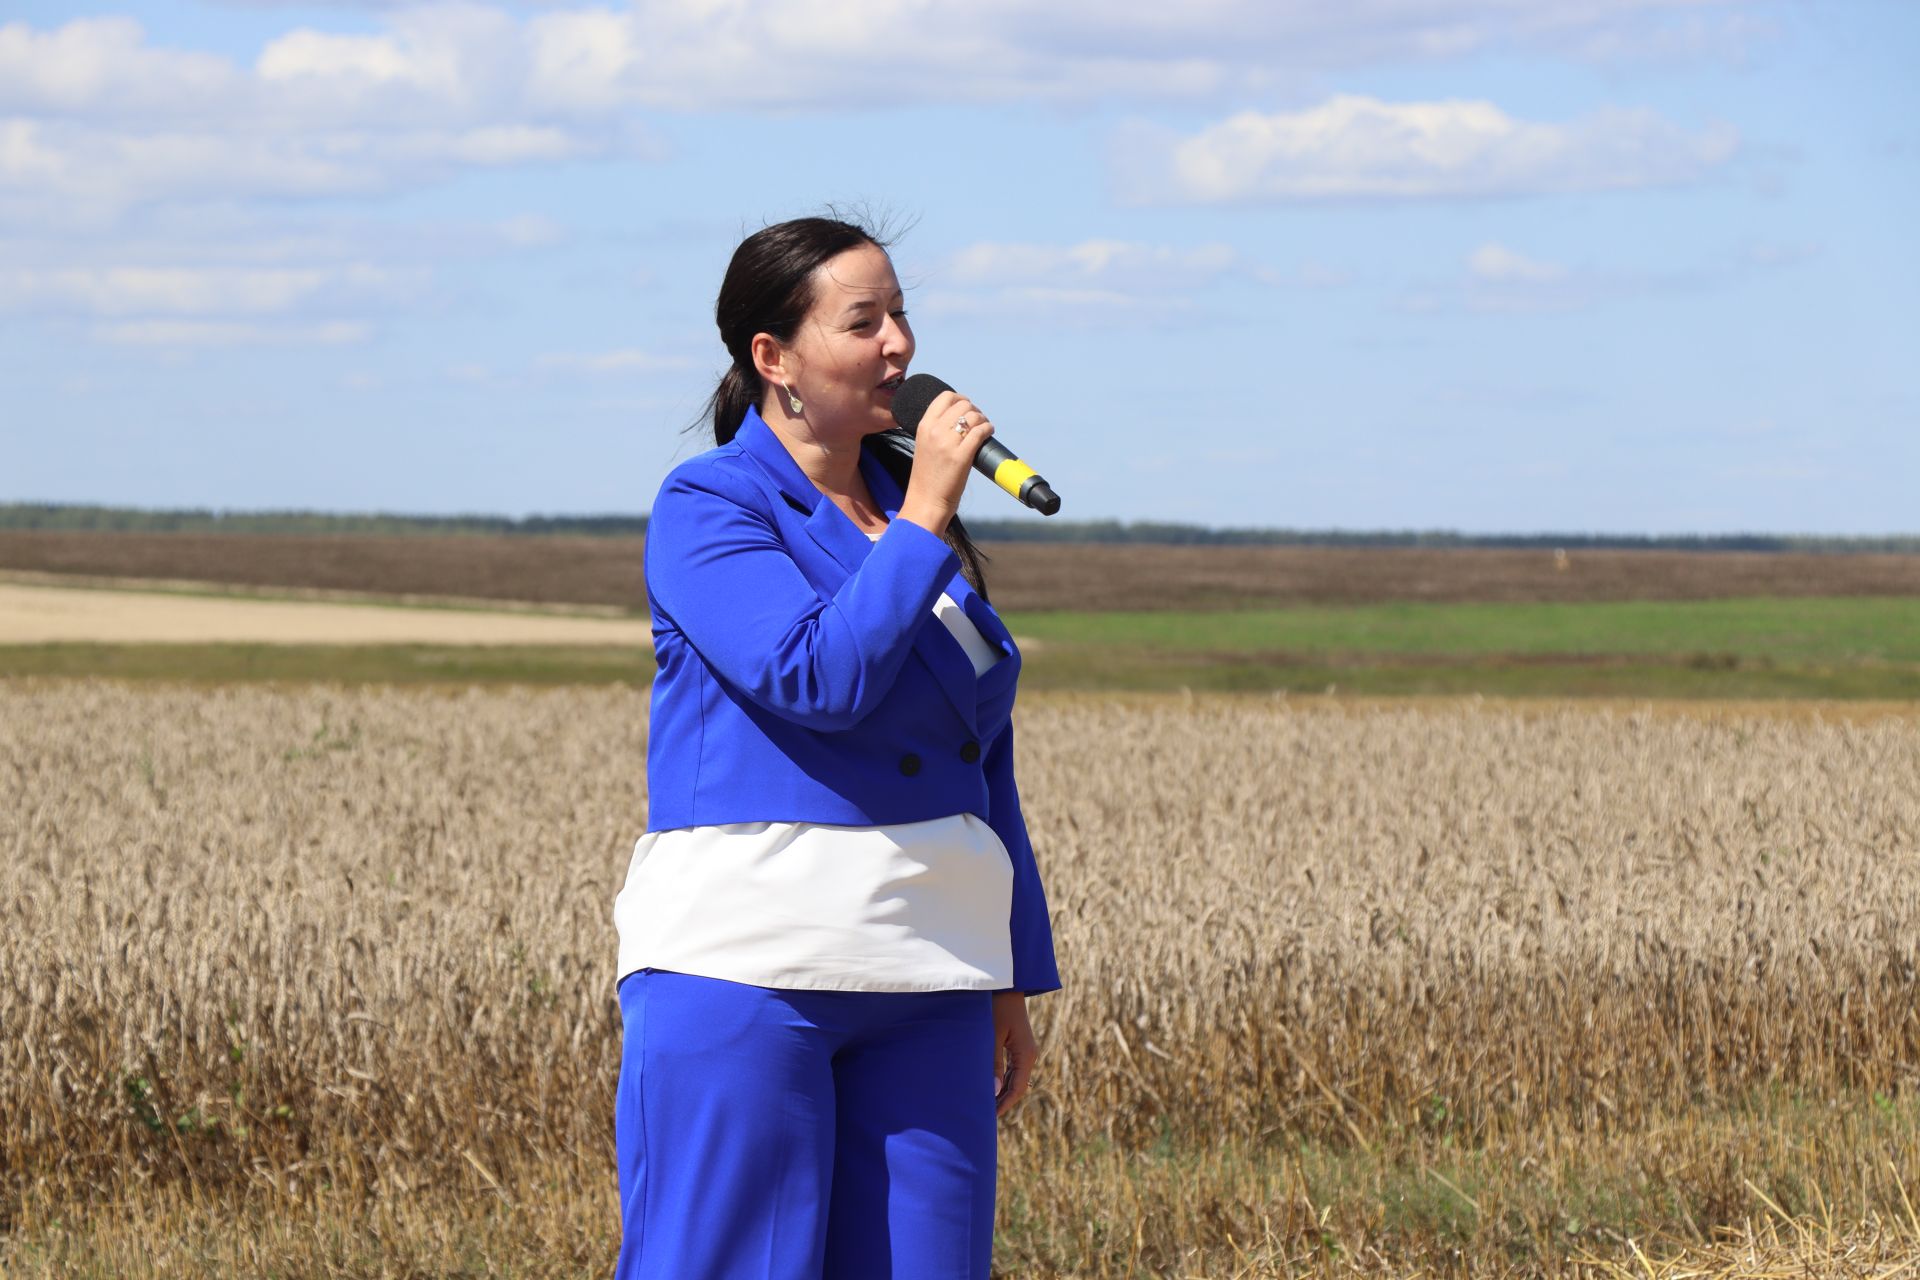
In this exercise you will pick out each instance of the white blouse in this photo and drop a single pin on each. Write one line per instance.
(914, 906)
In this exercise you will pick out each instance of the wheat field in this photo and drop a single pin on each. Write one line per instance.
(319, 982)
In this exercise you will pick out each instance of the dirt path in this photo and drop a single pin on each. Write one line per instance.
(45, 615)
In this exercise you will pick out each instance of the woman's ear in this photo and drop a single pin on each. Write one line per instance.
(771, 360)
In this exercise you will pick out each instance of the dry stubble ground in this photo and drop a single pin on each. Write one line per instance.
(1026, 576)
(319, 982)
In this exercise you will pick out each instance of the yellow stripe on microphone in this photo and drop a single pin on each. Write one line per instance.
(1011, 474)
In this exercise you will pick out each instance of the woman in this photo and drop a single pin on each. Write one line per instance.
(830, 930)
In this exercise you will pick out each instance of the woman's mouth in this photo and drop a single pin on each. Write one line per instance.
(891, 385)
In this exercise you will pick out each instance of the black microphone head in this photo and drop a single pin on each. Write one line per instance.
(915, 394)
(1042, 498)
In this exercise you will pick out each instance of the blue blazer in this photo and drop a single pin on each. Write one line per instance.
(802, 676)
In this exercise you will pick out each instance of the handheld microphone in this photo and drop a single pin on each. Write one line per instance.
(994, 461)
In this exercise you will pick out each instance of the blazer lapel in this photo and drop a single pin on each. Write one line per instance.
(838, 536)
(826, 524)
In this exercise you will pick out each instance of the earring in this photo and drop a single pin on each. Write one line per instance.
(793, 403)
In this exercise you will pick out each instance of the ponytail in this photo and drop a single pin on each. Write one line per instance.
(728, 404)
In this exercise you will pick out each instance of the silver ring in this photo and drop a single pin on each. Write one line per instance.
(961, 426)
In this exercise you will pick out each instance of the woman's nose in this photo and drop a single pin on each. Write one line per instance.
(897, 339)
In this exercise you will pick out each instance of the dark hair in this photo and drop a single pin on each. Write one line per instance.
(768, 288)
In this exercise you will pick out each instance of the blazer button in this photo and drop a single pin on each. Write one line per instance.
(909, 764)
(971, 752)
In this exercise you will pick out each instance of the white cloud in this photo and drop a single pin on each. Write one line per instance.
(1496, 278)
(1501, 265)
(1129, 263)
(228, 262)
(1091, 303)
(1358, 148)
(672, 54)
(625, 360)
(228, 283)
(94, 118)
(675, 54)
(508, 144)
(1099, 281)
(96, 115)
(1304, 31)
(143, 290)
(230, 333)
(529, 231)
(83, 169)
(1076, 308)
(365, 60)
(584, 60)
(1533, 299)
(104, 67)
(679, 55)
(1309, 275)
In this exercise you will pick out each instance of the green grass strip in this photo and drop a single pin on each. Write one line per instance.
(1093, 670)
(347, 664)
(1813, 630)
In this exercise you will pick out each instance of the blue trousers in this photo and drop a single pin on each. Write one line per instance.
(772, 1134)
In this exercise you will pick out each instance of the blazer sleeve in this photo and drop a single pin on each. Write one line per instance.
(720, 571)
(1034, 970)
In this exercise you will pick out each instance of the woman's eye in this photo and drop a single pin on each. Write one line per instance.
(900, 314)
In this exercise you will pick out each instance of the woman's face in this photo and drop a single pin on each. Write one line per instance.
(850, 352)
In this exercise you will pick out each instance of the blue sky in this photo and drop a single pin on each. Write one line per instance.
(1629, 266)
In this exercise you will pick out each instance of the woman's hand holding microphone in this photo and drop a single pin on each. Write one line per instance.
(951, 431)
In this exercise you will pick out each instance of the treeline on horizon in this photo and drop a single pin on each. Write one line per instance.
(62, 517)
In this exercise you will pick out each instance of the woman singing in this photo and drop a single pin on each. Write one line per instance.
(830, 929)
